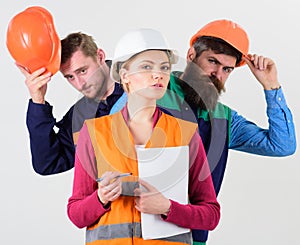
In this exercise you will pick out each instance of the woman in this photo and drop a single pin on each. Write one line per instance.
(107, 147)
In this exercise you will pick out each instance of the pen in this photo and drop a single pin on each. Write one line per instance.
(119, 176)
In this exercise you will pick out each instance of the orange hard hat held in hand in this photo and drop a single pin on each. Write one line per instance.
(32, 40)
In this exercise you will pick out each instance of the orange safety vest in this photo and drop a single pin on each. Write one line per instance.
(115, 151)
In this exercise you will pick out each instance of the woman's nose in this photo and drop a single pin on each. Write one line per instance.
(157, 74)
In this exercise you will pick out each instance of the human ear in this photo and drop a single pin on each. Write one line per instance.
(123, 73)
(191, 54)
(101, 55)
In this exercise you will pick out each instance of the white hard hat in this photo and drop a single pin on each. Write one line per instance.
(136, 41)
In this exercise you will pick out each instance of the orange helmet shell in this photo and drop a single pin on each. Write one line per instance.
(228, 31)
(32, 40)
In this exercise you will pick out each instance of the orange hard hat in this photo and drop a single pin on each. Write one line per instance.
(32, 40)
(228, 31)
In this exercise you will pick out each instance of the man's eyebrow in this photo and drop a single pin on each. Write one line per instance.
(217, 61)
(76, 71)
(80, 68)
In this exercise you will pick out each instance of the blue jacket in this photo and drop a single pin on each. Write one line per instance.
(53, 152)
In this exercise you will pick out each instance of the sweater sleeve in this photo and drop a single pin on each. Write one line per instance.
(52, 152)
(84, 207)
(203, 211)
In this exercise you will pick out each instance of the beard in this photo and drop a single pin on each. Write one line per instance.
(97, 85)
(200, 90)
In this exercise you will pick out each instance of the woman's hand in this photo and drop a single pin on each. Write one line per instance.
(151, 201)
(110, 188)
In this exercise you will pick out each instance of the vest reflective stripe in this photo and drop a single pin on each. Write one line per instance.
(127, 230)
(106, 232)
(115, 151)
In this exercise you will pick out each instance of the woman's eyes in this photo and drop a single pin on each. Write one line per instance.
(146, 67)
(150, 68)
(165, 68)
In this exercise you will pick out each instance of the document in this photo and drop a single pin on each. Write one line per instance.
(167, 169)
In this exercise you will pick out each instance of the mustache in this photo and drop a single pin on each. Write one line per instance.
(218, 84)
(201, 90)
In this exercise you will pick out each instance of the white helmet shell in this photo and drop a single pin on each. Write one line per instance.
(136, 41)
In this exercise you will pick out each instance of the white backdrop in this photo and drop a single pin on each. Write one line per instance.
(260, 196)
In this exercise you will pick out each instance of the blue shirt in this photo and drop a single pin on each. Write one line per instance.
(278, 140)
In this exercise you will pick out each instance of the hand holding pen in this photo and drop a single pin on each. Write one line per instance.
(119, 176)
(110, 186)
